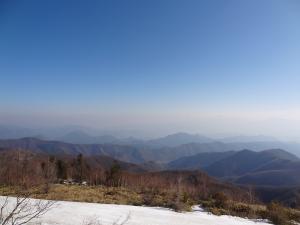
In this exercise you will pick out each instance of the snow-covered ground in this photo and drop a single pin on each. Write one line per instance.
(76, 213)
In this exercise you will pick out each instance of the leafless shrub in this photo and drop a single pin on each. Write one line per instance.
(21, 209)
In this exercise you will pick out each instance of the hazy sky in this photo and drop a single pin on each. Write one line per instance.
(201, 66)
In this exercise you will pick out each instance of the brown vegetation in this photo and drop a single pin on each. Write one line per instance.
(219, 204)
(108, 184)
(112, 182)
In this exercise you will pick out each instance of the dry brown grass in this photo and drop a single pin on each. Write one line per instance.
(106, 195)
(99, 194)
(274, 212)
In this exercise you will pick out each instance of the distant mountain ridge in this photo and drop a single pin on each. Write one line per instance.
(181, 139)
(198, 161)
(177, 139)
(274, 167)
(137, 153)
(120, 152)
(246, 161)
(83, 135)
(172, 140)
(128, 153)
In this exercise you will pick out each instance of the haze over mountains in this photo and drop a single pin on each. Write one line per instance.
(259, 160)
(231, 162)
(85, 135)
(263, 162)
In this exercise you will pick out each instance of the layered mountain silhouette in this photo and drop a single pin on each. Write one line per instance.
(120, 152)
(182, 140)
(273, 173)
(273, 167)
(179, 139)
(85, 135)
(128, 153)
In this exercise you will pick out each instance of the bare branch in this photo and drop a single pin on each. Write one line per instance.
(23, 210)
(3, 206)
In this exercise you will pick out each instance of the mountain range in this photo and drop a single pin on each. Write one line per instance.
(274, 167)
(270, 172)
(85, 135)
(184, 140)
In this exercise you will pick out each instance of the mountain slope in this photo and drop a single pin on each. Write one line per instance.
(269, 168)
(167, 154)
(128, 153)
(94, 162)
(120, 152)
(273, 167)
(273, 178)
(198, 161)
(246, 161)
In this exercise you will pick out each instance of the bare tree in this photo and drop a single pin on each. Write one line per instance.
(20, 210)
(251, 194)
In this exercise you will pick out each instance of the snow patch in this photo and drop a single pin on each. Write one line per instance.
(78, 213)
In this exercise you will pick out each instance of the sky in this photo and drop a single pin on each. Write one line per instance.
(211, 66)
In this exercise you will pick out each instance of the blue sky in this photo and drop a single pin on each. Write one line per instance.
(160, 63)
